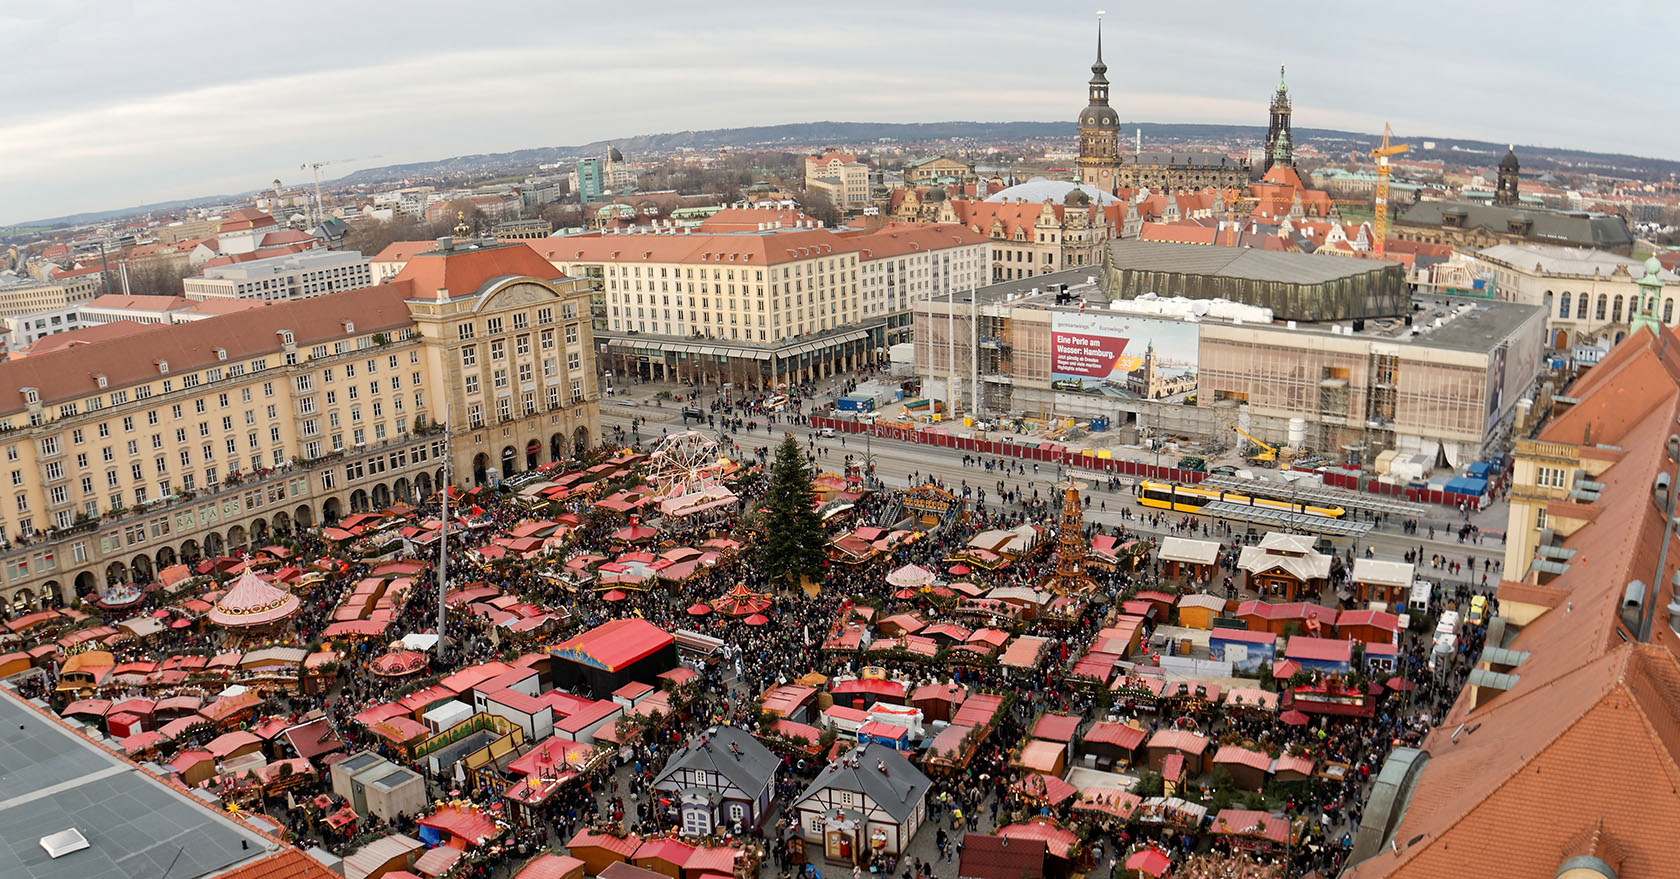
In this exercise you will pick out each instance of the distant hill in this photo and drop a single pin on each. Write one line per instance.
(799, 135)
(803, 135)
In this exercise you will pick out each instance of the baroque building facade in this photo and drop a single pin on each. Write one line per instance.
(176, 443)
(1102, 164)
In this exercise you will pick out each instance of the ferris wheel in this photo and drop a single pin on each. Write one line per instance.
(683, 459)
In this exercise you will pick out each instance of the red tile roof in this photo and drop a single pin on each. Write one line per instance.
(245, 218)
(65, 375)
(462, 273)
(1579, 756)
(288, 863)
(752, 219)
(724, 250)
(403, 251)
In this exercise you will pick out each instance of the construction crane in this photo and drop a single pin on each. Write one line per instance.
(1381, 154)
(1266, 454)
(315, 167)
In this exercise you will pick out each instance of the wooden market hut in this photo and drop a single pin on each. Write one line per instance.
(1114, 744)
(1189, 745)
(1378, 580)
(1044, 758)
(1249, 769)
(1197, 610)
(938, 701)
(1286, 565)
(597, 851)
(664, 856)
(1194, 561)
(1368, 626)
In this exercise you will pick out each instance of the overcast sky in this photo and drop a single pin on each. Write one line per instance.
(115, 104)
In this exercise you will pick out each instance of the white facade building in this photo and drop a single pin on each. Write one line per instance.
(1590, 296)
(293, 276)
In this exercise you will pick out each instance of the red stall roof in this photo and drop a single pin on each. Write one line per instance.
(1056, 727)
(612, 646)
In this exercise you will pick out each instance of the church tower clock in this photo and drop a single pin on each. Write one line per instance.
(1099, 130)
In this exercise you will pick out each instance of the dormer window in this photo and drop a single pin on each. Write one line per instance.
(221, 354)
(163, 367)
(32, 396)
(100, 379)
(350, 326)
(286, 338)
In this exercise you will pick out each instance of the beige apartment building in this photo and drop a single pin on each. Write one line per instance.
(28, 297)
(841, 177)
(933, 169)
(757, 308)
(181, 442)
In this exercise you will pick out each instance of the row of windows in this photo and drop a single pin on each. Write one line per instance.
(1605, 305)
(519, 320)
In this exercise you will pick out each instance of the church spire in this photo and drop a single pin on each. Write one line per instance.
(1098, 69)
(1280, 145)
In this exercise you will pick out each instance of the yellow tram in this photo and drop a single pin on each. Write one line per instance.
(1191, 499)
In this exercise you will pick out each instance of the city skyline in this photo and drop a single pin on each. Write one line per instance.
(155, 102)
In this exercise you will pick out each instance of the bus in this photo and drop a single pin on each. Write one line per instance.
(1191, 499)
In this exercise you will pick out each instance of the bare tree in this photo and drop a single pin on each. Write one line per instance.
(154, 277)
(372, 236)
(816, 205)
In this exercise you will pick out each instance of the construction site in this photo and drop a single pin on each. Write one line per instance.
(1157, 375)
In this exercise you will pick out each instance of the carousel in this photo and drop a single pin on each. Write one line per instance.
(118, 596)
(741, 601)
(252, 604)
(398, 662)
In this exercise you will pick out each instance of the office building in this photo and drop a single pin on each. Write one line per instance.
(292, 276)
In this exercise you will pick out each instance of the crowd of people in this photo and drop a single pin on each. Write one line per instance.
(978, 797)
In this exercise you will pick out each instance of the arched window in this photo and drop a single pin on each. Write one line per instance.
(1563, 309)
(1581, 307)
(1616, 310)
(1668, 311)
(1603, 305)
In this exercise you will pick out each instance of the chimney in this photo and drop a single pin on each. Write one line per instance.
(1633, 605)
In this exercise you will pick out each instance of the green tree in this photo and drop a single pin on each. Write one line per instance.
(794, 541)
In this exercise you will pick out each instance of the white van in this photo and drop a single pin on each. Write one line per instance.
(1418, 601)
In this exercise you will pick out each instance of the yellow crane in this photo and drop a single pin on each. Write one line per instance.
(1381, 154)
(1266, 454)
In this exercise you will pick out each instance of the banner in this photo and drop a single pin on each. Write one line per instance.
(1119, 355)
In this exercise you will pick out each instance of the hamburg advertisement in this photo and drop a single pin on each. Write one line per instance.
(1121, 355)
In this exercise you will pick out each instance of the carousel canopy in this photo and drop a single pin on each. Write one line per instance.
(741, 601)
(252, 602)
(911, 577)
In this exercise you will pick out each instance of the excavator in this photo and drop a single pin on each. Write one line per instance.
(1264, 455)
